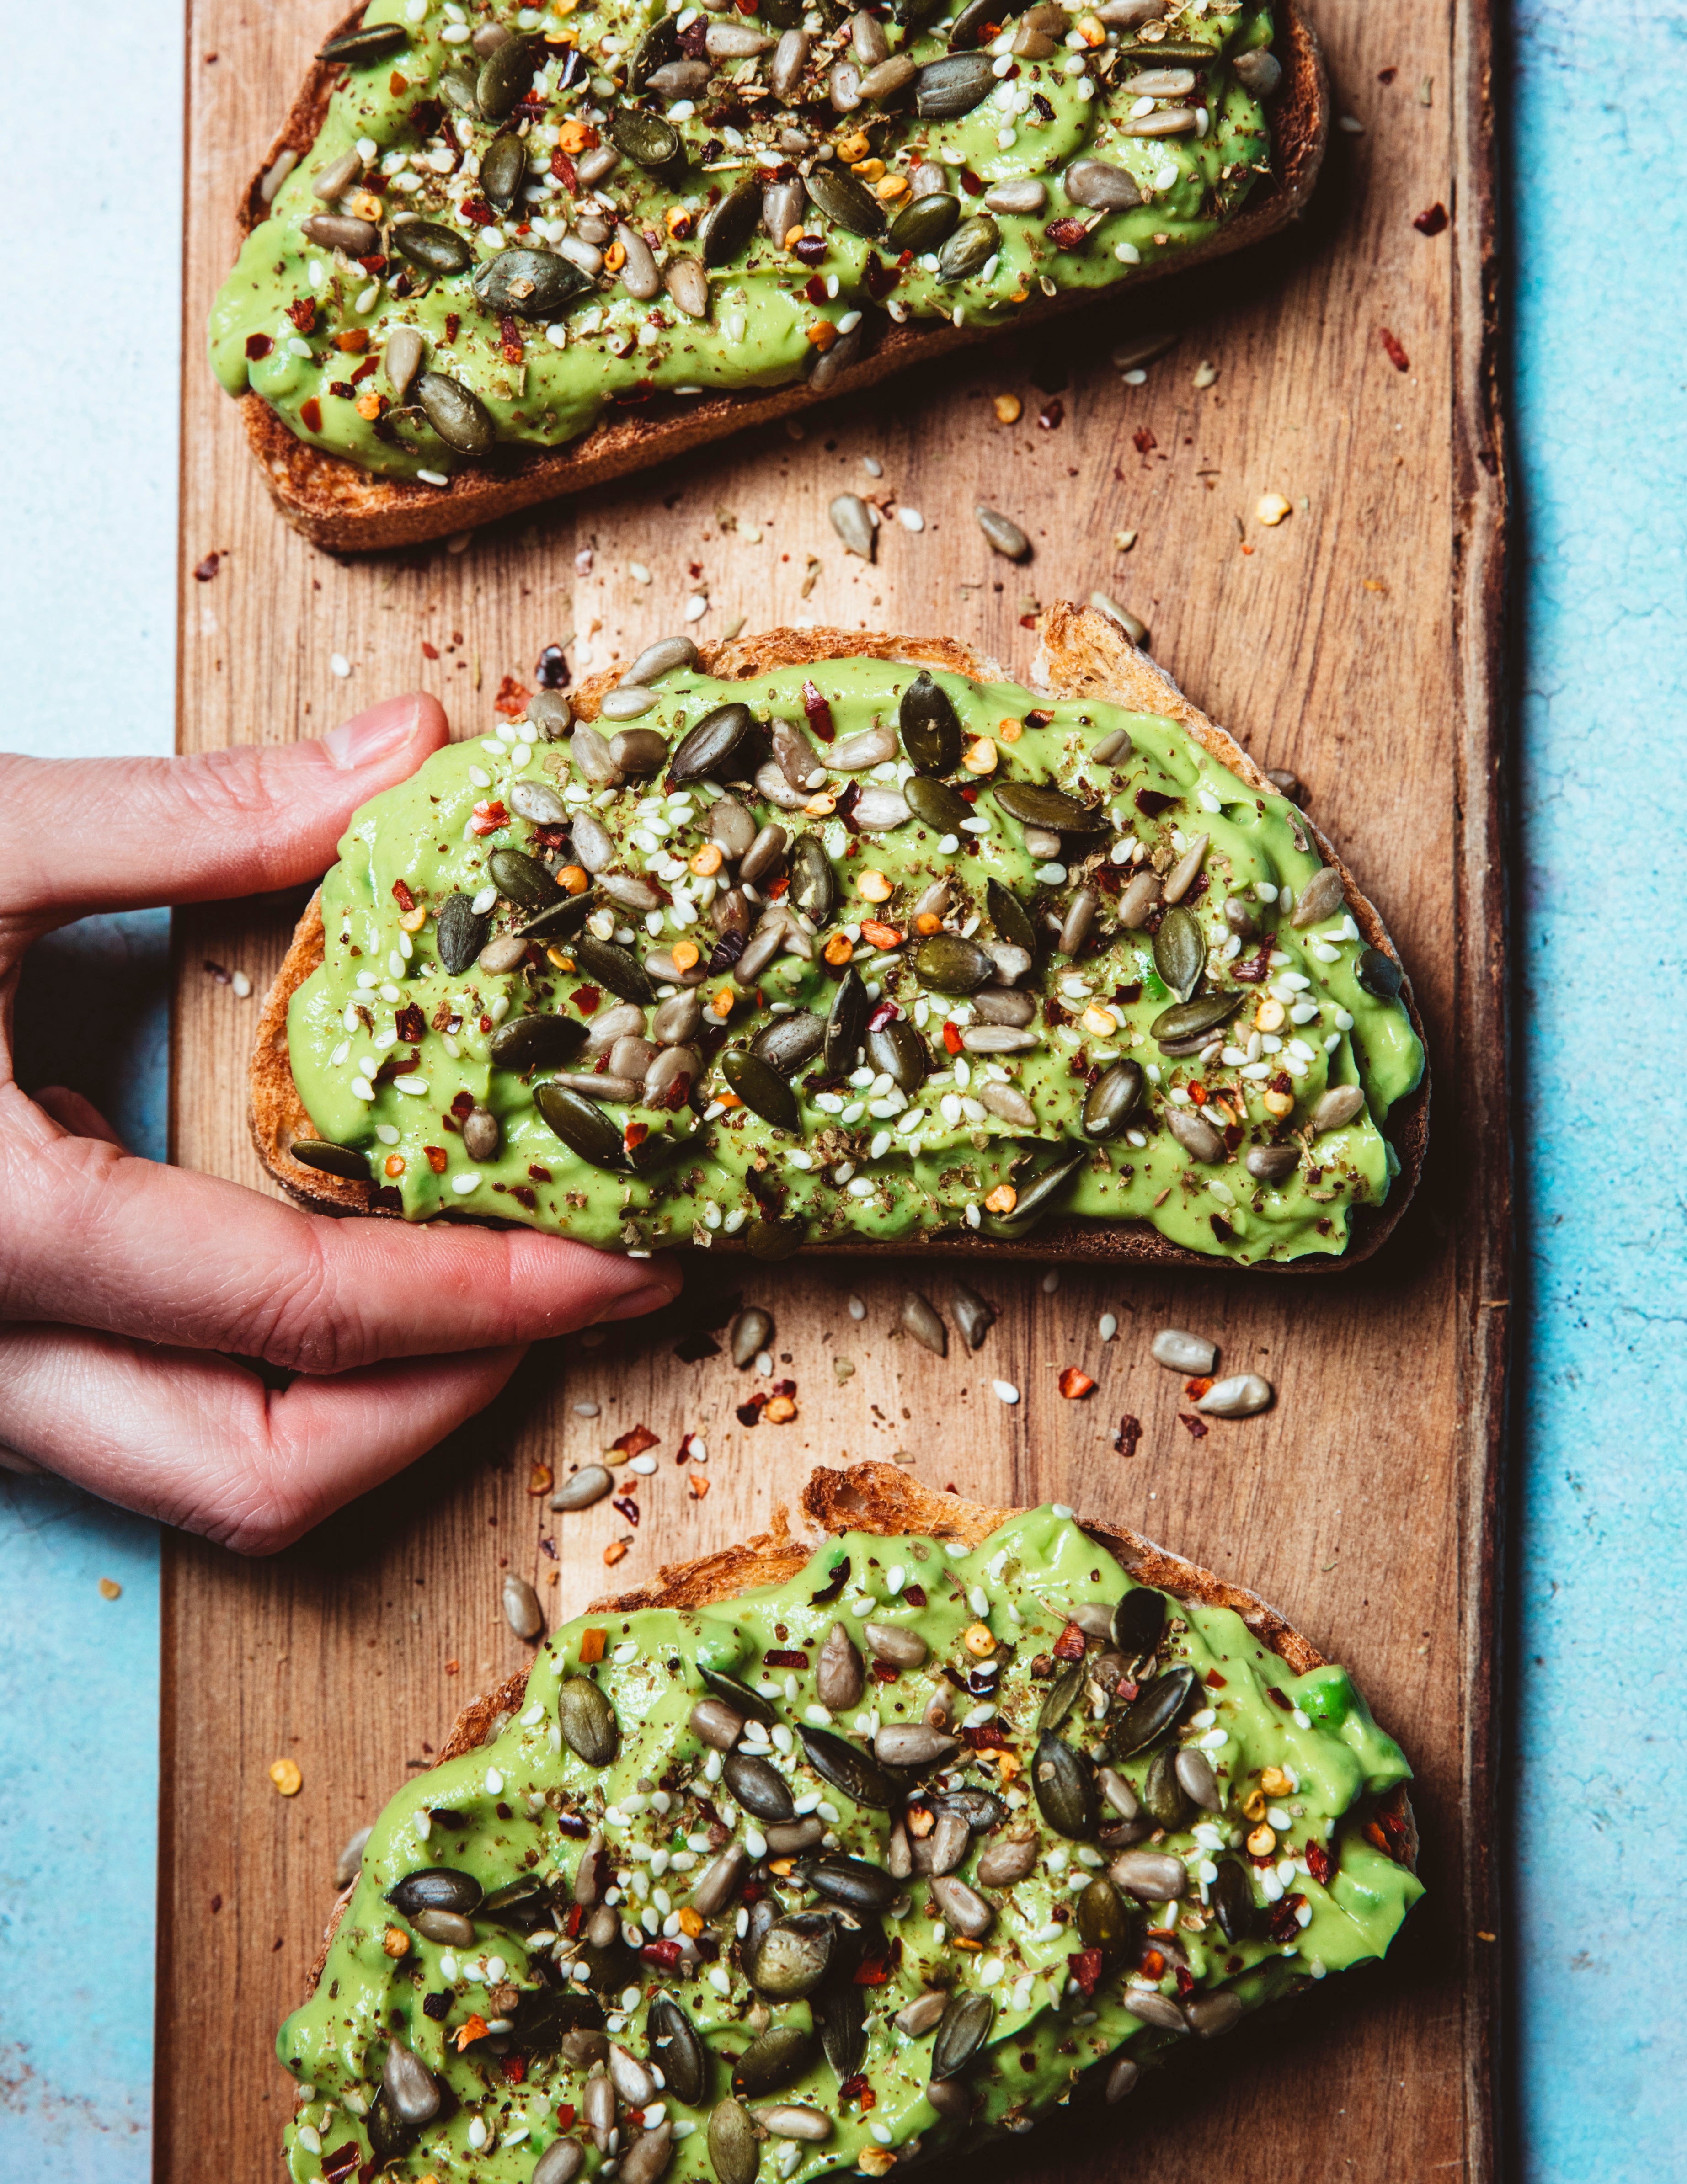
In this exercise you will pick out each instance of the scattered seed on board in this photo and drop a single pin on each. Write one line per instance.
(522, 1610)
(1004, 535)
(588, 1485)
(1183, 1353)
(1238, 1397)
(852, 524)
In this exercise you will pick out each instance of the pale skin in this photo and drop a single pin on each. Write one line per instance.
(129, 1292)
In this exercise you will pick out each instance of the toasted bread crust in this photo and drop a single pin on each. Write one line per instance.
(346, 509)
(887, 1501)
(1082, 653)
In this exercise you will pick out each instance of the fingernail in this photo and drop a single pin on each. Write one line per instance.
(381, 732)
(636, 1303)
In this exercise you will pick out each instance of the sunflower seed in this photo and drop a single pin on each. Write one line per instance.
(1121, 2079)
(1238, 1397)
(1341, 1105)
(919, 1318)
(852, 524)
(720, 1881)
(522, 1609)
(1260, 71)
(588, 1485)
(972, 1315)
(1024, 194)
(838, 1675)
(413, 2091)
(358, 238)
(1004, 535)
(913, 1744)
(1151, 1875)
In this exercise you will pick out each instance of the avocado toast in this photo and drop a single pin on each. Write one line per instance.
(794, 1864)
(895, 950)
(494, 258)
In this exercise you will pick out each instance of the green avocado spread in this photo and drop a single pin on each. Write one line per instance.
(513, 219)
(897, 1007)
(842, 1870)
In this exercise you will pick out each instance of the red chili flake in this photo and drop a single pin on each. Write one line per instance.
(1144, 440)
(1052, 414)
(259, 345)
(1153, 1963)
(814, 288)
(478, 210)
(635, 1441)
(627, 1508)
(1130, 1433)
(1085, 1968)
(988, 1736)
(586, 998)
(310, 414)
(879, 278)
(411, 1025)
(1215, 1681)
(488, 816)
(1195, 1388)
(914, 1595)
(1070, 1645)
(566, 2113)
(819, 714)
(885, 1672)
(1185, 1978)
(971, 183)
(510, 340)
(1197, 1427)
(429, 651)
(951, 1038)
(785, 1658)
(515, 2069)
(1277, 1699)
(402, 895)
(1257, 968)
(453, 327)
(342, 387)
(512, 700)
(852, 2089)
(1318, 1863)
(1432, 221)
(207, 568)
(436, 1158)
(1152, 802)
(366, 370)
(1067, 234)
(775, 888)
(1074, 1384)
(1397, 355)
(663, 1954)
(341, 2162)
(304, 314)
(811, 250)
(873, 1973)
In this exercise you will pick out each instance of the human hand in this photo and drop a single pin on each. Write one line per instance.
(128, 1291)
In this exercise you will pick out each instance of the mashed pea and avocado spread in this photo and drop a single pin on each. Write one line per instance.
(843, 1869)
(511, 218)
(848, 950)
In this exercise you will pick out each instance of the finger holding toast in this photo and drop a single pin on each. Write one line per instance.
(130, 1293)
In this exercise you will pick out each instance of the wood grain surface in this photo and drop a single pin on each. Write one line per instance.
(1356, 643)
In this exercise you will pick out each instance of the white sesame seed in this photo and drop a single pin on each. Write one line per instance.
(1005, 1390)
(462, 1184)
(339, 665)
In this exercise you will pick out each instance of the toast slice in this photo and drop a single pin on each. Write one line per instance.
(343, 508)
(1370, 1825)
(1082, 654)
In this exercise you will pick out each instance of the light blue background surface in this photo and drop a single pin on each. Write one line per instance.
(1598, 1921)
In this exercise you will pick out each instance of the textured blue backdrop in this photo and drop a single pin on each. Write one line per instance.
(1599, 1625)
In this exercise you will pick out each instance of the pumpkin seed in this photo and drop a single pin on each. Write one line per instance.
(969, 248)
(1103, 1923)
(433, 249)
(522, 878)
(1232, 1895)
(675, 2048)
(456, 88)
(1139, 1621)
(1111, 1099)
(930, 728)
(1010, 917)
(1065, 1788)
(459, 416)
(845, 1024)
(758, 1787)
(564, 917)
(953, 86)
(436, 1888)
(708, 750)
(505, 75)
(1004, 535)
(658, 47)
(530, 284)
(738, 1696)
(849, 517)
(1188, 1026)
(647, 141)
(854, 1882)
(1153, 1713)
(846, 201)
(1164, 1797)
(968, 32)
(503, 169)
(614, 966)
(1271, 1164)
(1197, 1136)
(588, 1721)
(460, 933)
(839, 2011)
(925, 223)
(791, 1041)
(1180, 951)
(898, 1051)
(771, 2060)
(791, 1958)
(535, 1042)
(1036, 804)
(936, 804)
(1155, 1876)
(363, 47)
(329, 1159)
(813, 885)
(1060, 1698)
(581, 1124)
(1379, 974)
(1038, 1197)
(950, 965)
(767, 1237)
(761, 1089)
(849, 1769)
(961, 2034)
(734, 2150)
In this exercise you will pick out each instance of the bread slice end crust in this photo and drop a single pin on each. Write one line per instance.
(345, 509)
(1082, 653)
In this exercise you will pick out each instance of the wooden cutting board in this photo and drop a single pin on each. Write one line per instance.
(1357, 644)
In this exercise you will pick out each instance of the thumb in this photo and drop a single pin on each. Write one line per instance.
(98, 834)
